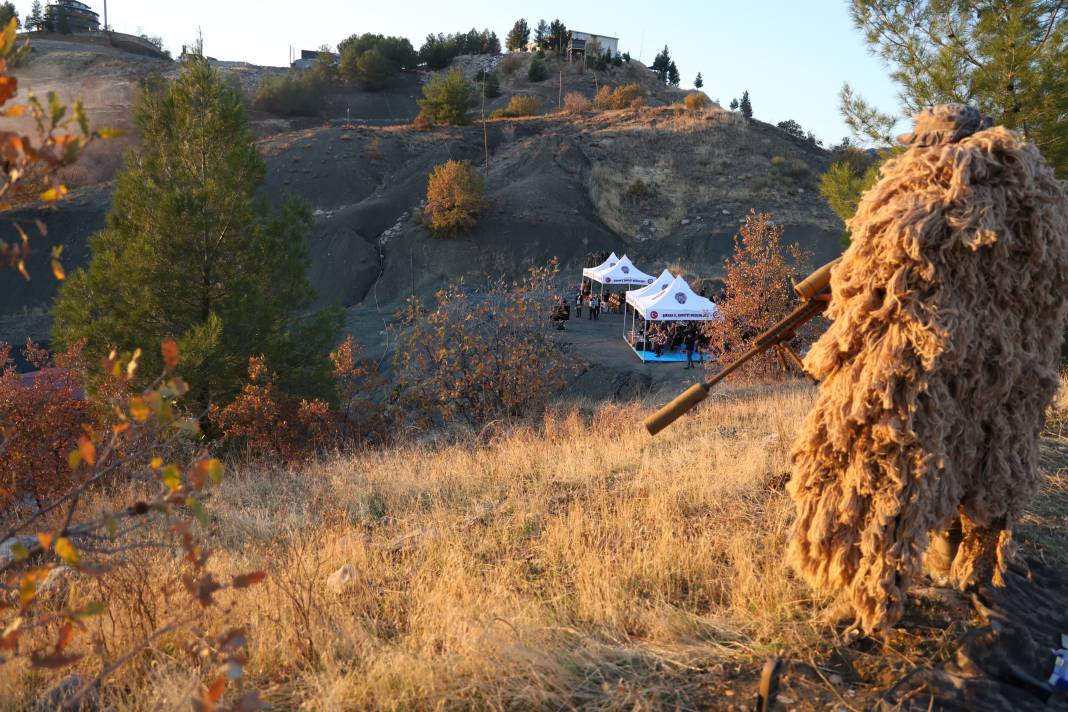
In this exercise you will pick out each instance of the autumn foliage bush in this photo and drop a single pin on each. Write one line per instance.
(758, 292)
(695, 101)
(576, 103)
(42, 415)
(520, 105)
(479, 355)
(455, 195)
(268, 424)
(626, 96)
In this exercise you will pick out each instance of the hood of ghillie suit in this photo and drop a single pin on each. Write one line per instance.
(948, 312)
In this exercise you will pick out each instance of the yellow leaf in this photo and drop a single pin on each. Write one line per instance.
(139, 409)
(57, 270)
(131, 368)
(15, 111)
(172, 477)
(156, 463)
(66, 551)
(53, 194)
(74, 459)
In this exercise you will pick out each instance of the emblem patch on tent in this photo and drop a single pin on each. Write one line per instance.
(608, 280)
(653, 315)
(680, 297)
(625, 269)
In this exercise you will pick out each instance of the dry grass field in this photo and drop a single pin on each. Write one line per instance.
(572, 563)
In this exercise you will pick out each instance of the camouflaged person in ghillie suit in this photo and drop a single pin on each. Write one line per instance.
(948, 311)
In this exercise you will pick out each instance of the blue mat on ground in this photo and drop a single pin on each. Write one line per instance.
(667, 356)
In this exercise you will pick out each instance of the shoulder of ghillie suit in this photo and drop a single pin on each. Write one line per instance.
(945, 123)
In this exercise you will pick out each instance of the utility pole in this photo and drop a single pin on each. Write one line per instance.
(560, 92)
(485, 133)
(105, 15)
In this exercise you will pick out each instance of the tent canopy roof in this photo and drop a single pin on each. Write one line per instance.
(623, 272)
(677, 302)
(607, 264)
(636, 295)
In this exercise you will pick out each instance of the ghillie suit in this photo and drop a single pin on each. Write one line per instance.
(948, 312)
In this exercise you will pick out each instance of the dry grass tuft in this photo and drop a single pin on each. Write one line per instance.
(570, 563)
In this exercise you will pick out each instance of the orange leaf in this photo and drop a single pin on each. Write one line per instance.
(87, 449)
(57, 270)
(246, 580)
(52, 662)
(170, 353)
(66, 634)
(9, 86)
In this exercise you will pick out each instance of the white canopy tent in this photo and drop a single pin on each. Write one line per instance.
(622, 273)
(636, 295)
(674, 301)
(587, 272)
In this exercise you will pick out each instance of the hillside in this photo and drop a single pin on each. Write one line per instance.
(661, 184)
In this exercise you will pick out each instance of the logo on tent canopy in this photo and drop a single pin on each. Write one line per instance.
(653, 315)
(608, 280)
(649, 281)
(680, 297)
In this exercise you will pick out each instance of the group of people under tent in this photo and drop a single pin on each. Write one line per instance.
(664, 314)
(660, 337)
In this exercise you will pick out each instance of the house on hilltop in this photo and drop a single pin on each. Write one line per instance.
(580, 40)
(308, 58)
(70, 16)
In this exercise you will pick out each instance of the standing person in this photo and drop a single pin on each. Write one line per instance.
(691, 345)
(595, 306)
(589, 305)
(578, 305)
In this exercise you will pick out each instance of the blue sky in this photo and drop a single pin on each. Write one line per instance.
(792, 55)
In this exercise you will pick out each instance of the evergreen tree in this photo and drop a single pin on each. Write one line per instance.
(36, 19)
(698, 82)
(673, 77)
(734, 104)
(189, 252)
(519, 36)
(559, 36)
(1009, 59)
(662, 64)
(746, 106)
(541, 35)
(446, 99)
(7, 12)
(537, 71)
(62, 21)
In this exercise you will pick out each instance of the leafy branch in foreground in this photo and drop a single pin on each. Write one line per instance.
(30, 166)
(66, 538)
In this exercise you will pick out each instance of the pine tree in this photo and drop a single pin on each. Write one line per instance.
(541, 35)
(559, 36)
(36, 19)
(1009, 59)
(189, 252)
(734, 104)
(698, 82)
(519, 36)
(673, 77)
(662, 64)
(8, 11)
(746, 106)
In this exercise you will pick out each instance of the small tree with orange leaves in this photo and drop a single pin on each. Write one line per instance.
(455, 195)
(481, 355)
(759, 292)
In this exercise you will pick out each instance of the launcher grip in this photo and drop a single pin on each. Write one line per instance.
(676, 408)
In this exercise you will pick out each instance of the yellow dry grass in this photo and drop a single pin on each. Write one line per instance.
(573, 563)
